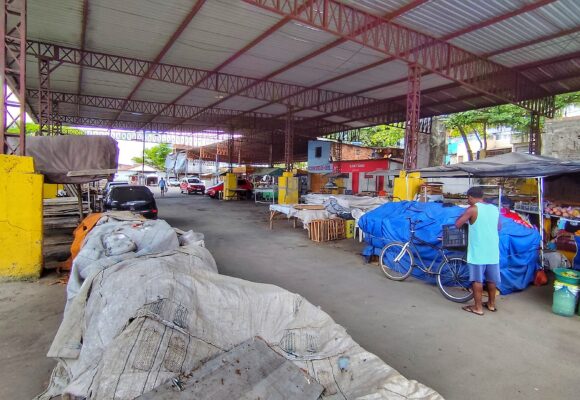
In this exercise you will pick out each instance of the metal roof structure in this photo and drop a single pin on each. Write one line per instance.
(263, 68)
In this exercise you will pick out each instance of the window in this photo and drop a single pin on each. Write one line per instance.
(318, 152)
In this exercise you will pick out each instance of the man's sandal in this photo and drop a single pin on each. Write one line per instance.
(486, 305)
(471, 310)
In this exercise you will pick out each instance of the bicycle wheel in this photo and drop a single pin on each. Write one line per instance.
(396, 261)
(453, 280)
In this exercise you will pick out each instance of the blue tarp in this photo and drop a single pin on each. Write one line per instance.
(388, 223)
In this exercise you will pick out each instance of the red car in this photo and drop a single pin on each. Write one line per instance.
(245, 184)
(192, 185)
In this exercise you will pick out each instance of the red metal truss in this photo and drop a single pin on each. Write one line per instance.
(74, 120)
(413, 112)
(234, 57)
(188, 18)
(13, 73)
(44, 99)
(289, 141)
(144, 107)
(494, 20)
(186, 76)
(410, 46)
(313, 54)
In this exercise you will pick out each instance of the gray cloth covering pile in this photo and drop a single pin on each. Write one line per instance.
(157, 315)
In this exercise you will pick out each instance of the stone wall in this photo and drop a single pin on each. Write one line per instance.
(561, 138)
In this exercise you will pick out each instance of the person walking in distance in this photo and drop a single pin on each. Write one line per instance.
(162, 186)
(482, 249)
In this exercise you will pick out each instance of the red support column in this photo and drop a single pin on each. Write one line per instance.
(13, 73)
(44, 98)
(289, 141)
(413, 113)
(231, 149)
(535, 143)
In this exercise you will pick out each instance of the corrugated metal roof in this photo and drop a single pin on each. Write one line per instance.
(385, 73)
(163, 92)
(378, 7)
(134, 28)
(241, 103)
(441, 17)
(564, 14)
(541, 51)
(498, 36)
(59, 21)
(290, 42)
(103, 83)
(219, 30)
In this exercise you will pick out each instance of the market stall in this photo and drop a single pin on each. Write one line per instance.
(562, 176)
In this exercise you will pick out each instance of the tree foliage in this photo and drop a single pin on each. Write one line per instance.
(33, 129)
(381, 136)
(155, 156)
(509, 115)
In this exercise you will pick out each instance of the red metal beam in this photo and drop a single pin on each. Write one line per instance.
(410, 46)
(527, 8)
(186, 76)
(142, 107)
(542, 63)
(84, 22)
(13, 73)
(234, 57)
(188, 18)
(325, 48)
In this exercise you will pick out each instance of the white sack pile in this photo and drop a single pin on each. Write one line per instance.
(143, 320)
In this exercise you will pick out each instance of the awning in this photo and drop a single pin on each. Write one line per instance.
(510, 165)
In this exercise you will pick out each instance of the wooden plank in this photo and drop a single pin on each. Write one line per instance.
(251, 370)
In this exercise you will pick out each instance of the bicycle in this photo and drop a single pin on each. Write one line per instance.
(397, 261)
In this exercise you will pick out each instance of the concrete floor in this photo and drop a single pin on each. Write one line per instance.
(521, 352)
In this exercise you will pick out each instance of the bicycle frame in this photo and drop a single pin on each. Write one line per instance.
(412, 245)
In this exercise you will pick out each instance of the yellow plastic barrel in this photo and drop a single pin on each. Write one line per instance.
(349, 228)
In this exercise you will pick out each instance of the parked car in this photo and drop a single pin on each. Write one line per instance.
(173, 181)
(110, 185)
(215, 190)
(192, 185)
(134, 198)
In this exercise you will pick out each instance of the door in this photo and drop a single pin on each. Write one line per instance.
(355, 182)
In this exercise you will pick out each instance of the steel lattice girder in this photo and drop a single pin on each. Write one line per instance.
(288, 94)
(216, 116)
(410, 46)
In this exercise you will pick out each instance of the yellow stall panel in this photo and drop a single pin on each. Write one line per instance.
(20, 218)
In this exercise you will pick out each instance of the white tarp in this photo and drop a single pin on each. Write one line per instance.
(347, 201)
(146, 319)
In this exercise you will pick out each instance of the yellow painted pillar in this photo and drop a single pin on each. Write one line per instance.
(288, 189)
(230, 184)
(50, 190)
(406, 186)
(20, 218)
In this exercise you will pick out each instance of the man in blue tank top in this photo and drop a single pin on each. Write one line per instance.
(482, 249)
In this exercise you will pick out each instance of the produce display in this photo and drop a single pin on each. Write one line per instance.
(562, 211)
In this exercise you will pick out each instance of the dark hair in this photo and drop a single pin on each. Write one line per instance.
(475, 192)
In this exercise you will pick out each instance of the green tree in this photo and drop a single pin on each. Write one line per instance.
(155, 156)
(33, 129)
(508, 115)
(381, 136)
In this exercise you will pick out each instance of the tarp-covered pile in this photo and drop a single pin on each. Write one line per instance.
(153, 316)
(388, 223)
(73, 159)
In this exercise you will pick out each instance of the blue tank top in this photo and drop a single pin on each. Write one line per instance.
(483, 242)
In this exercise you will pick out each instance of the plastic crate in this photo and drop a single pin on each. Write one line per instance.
(454, 238)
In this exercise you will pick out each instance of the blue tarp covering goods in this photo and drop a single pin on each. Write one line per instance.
(388, 223)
